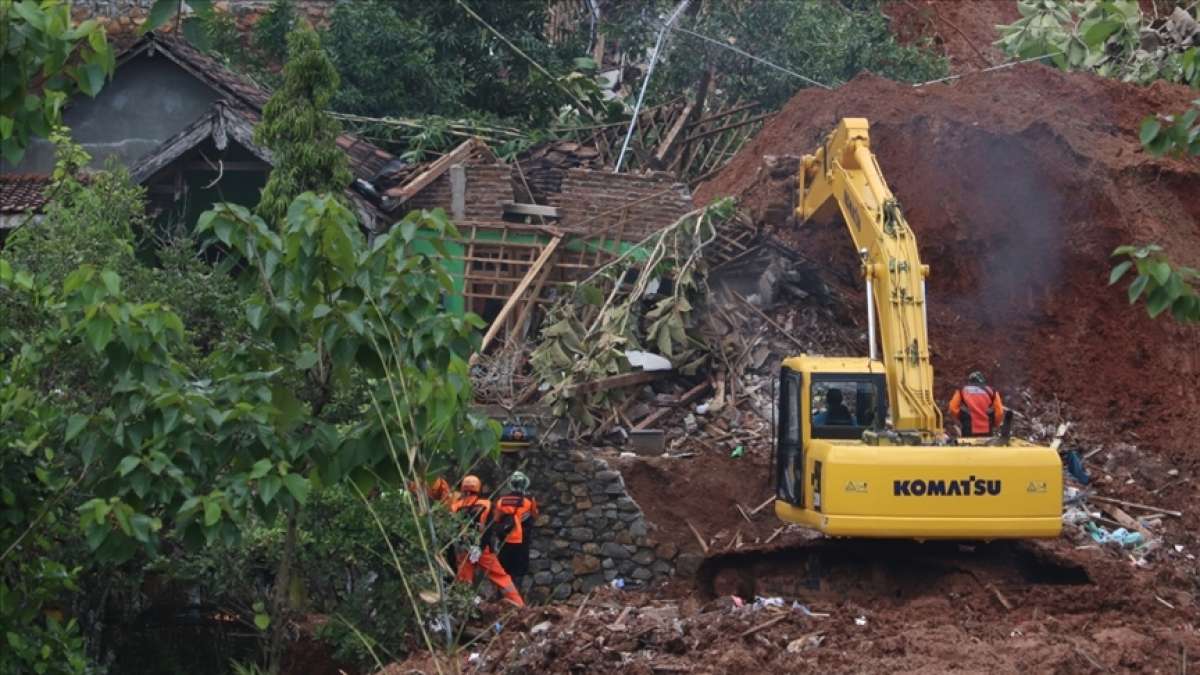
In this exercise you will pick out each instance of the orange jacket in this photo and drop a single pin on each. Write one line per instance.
(522, 509)
(983, 407)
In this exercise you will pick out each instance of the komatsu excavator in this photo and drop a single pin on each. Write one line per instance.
(861, 451)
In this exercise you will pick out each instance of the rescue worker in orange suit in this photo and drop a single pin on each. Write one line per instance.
(482, 554)
(977, 406)
(514, 514)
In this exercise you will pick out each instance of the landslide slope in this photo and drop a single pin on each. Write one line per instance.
(1019, 184)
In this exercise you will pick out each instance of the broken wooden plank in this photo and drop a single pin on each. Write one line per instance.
(1000, 596)
(1135, 505)
(766, 624)
(762, 506)
(1127, 521)
(774, 324)
(699, 538)
(742, 511)
(519, 209)
(617, 381)
(513, 299)
(403, 193)
(689, 396)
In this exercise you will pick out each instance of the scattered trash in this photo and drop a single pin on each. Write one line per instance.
(617, 583)
(738, 602)
(1179, 548)
(737, 452)
(860, 620)
(473, 658)
(647, 360)
(800, 644)
(1075, 468)
(540, 628)
(761, 602)
(1076, 516)
(497, 627)
(1124, 537)
(702, 409)
(797, 607)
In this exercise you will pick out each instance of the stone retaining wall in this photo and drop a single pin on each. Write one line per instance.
(590, 530)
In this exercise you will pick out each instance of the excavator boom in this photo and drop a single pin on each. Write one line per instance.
(844, 175)
(861, 450)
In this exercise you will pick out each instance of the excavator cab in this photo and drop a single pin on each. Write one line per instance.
(861, 450)
(847, 475)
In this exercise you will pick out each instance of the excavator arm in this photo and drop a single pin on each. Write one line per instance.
(844, 176)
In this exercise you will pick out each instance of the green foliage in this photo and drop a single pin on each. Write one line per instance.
(587, 333)
(1168, 134)
(347, 568)
(272, 29)
(1163, 285)
(829, 42)
(298, 131)
(1108, 37)
(45, 59)
(412, 58)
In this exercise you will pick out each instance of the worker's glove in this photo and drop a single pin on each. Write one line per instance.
(473, 554)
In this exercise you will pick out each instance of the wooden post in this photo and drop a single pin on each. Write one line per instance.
(516, 296)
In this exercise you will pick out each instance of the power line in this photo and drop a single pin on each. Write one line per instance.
(1002, 66)
(753, 57)
(662, 33)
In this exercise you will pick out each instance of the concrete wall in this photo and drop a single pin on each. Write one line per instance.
(149, 100)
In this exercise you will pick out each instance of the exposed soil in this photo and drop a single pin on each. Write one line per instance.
(1019, 184)
(963, 31)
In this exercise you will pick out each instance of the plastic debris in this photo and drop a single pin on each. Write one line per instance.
(702, 409)
(1124, 537)
(737, 452)
(805, 642)
(761, 602)
(737, 602)
(1075, 468)
(617, 583)
(540, 628)
(803, 609)
(860, 620)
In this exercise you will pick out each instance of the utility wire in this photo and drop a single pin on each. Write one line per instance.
(662, 33)
(748, 55)
(1002, 66)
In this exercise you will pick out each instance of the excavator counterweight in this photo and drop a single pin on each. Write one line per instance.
(861, 451)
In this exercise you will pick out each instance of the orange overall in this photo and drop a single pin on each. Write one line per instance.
(480, 511)
(515, 511)
(978, 408)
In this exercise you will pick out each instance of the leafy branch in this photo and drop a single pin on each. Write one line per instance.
(1165, 286)
(1170, 134)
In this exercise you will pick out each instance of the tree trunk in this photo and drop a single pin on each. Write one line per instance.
(279, 602)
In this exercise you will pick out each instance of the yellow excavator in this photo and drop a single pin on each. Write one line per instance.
(860, 450)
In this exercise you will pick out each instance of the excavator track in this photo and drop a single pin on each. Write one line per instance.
(833, 571)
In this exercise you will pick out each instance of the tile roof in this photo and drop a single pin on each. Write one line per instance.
(365, 158)
(21, 192)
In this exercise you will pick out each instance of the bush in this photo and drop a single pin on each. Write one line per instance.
(346, 570)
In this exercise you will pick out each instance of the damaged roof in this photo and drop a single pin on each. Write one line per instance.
(22, 192)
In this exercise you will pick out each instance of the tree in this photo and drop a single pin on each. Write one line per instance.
(830, 42)
(45, 59)
(1111, 38)
(1163, 285)
(300, 134)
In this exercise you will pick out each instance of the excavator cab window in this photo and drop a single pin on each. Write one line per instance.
(846, 405)
(789, 464)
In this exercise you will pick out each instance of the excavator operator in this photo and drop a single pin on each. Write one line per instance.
(836, 412)
(977, 406)
(473, 555)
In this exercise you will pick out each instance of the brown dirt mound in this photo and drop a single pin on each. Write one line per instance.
(1019, 184)
(963, 31)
